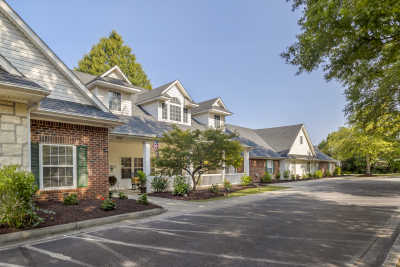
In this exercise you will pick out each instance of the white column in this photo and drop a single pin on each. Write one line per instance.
(146, 158)
(246, 162)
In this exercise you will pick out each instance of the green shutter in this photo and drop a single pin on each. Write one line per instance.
(35, 162)
(81, 154)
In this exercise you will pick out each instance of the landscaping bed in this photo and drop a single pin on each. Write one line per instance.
(56, 213)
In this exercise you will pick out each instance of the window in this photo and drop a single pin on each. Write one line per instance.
(57, 166)
(114, 101)
(301, 140)
(126, 168)
(137, 166)
(217, 121)
(270, 166)
(185, 115)
(175, 113)
(164, 111)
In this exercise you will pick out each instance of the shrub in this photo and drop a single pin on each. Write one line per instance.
(214, 189)
(278, 175)
(227, 186)
(160, 184)
(266, 178)
(286, 174)
(142, 199)
(328, 174)
(338, 171)
(309, 175)
(112, 180)
(246, 180)
(142, 180)
(110, 194)
(318, 174)
(122, 195)
(108, 204)
(181, 187)
(17, 188)
(293, 177)
(71, 199)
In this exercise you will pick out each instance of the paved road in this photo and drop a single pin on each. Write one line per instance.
(336, 222)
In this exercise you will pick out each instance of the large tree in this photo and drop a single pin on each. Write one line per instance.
(112, 51)
(356, 42)
(196, 152)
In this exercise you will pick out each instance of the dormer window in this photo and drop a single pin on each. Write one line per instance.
(164, 111)
(175, 113)
(114, 101)
(185, 115)
(217, 121)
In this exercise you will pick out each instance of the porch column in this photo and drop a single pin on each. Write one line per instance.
(246, 162)
(146, 158)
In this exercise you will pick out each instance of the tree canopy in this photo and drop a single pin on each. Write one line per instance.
(112, 51)
(196, 152)
(356, 42)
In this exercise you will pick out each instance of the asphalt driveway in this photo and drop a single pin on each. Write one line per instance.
(324, 223)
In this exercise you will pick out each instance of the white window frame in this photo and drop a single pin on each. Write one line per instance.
(74, 171)
(111, 94)
(185, 115)
(178, 107)
(219, 121)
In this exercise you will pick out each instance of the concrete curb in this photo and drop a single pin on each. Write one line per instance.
(75, 226)
(393, 255)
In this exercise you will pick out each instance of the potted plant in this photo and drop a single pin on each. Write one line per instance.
(142, 181)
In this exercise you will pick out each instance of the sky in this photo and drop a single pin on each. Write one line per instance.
(225, 48)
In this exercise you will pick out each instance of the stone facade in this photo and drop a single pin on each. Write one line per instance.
(14, 134)
(95, 138)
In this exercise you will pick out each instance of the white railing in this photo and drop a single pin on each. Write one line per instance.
(234, 178)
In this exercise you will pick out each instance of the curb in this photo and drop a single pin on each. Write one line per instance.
(75, 226)
(393, 256)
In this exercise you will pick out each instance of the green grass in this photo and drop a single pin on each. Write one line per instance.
(246, 192)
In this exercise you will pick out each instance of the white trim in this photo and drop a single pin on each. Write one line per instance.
(114, 86)
(74, 171)
(310, 145)
(180, 87)
(116, 67)
(41, 45)
(220, 101)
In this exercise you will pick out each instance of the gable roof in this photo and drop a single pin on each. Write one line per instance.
(322, 156)
(19, 81)
(208, 105)
(280, 138)
(116, 69)
(20, 24)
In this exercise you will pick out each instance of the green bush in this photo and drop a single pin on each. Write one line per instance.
(181, 187)
(278, 175)
(142, 199)
(71, 199)
(108, 204)
(328, 174)
(293, 177)
(338, 171)
(246, 180)
(122, 196)
(17, 189)
(160, 184)
(142, 179)
(309, 175)
(318, 174)
(214, 189)
(266, 178)
(227, 186)
(286, 174)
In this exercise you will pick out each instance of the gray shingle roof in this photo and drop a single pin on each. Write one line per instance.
(16, 80)
(322, 156)
(84, 77)
(67, 107)
(280, 138)
(249, 137)
(156, 92)
(207, 105)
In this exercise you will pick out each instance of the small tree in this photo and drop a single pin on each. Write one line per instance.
(196, 152)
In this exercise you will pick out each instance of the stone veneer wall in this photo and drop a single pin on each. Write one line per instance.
(13, 134)
(95, 138)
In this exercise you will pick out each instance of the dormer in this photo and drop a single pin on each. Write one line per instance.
(113, 88)
(169, 102)
(211, 113)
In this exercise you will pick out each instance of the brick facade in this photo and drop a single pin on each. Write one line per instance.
(324, 166)
(257, 169)
(276, 167)
(95, 138)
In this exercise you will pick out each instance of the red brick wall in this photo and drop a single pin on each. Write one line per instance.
(324, 166)
(95, 138)
(257, 169)
(276, 167)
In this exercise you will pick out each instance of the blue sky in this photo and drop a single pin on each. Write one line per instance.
(227, 48)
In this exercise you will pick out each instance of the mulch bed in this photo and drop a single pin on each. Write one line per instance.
(87, 209)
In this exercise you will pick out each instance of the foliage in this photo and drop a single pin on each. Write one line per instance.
(318, 174)
(108, 204)
(214, 189)
(17, 189)
(293, 176)
(142, 179)
(227, 186)
(356, 43)
(309, 175)
(328, 173)
(110, 194)
(71, 199)
(196, 152)
(142, 199)
(160, 184)
(286, 174)
(246, 180)
(112, 180)
(337, 171)
(181, 187)
(266, 178)
(122, 195)
(278, 175)
(112, 51)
